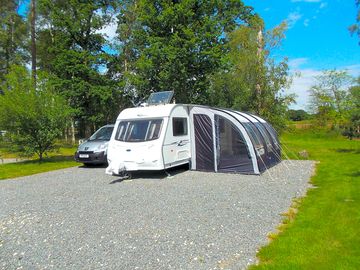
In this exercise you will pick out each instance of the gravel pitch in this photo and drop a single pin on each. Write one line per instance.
(80, 218)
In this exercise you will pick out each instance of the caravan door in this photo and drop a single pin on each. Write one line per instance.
(204, 142)
(176, 148)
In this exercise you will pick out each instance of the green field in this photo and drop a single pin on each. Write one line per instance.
(62, 158)
(325, 232)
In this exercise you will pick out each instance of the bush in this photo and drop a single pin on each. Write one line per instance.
(32, 117)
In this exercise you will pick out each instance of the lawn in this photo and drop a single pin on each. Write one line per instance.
(325, 232)
(62, 158)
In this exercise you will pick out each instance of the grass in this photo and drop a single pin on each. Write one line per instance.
(322, 230)
(60, 159)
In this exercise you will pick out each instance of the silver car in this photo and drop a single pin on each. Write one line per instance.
(94, 149)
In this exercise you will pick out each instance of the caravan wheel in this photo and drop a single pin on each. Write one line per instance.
(127, 175)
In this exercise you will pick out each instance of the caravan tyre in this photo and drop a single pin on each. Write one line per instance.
(127, 175)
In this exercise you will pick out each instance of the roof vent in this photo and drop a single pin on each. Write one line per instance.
(158, 98)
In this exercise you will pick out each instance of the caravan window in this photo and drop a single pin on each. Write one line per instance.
(179, 126)
(139, 130)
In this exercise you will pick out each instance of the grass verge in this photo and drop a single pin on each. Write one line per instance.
(63, 158)
(325, 232)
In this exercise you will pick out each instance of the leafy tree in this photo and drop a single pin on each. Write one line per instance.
(33, 118)
(33, 39)
(121, 66)
(329, 98)
(352, 128)
(355, 28)
(72, 48)
(176, 45)
(13, 37)
(253, 81)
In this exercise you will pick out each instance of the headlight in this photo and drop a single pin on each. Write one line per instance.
(101, 147)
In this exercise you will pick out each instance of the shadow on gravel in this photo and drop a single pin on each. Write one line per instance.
(93, 166)
(153, 174)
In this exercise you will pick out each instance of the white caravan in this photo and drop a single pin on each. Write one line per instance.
(153, 137)
(160, 135)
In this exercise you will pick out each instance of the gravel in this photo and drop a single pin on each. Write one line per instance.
(80, 218)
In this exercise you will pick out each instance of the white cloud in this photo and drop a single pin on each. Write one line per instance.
(295, 63)
(292, 18)
(109, 30)
(323, 5)
(353, 70)
(306, 22)
(302, 84)
(300, 87)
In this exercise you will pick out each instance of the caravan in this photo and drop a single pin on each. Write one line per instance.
(160, 135)
(154, 136)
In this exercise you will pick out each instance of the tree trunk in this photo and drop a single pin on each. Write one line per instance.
(260, 41)
(33, 41)
(66, 134)
(72, 132)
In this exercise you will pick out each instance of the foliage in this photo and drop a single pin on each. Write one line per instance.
(33, 118)
(325, 232)
(298, 115)
(71, 48)
(355, 28)
(13, 37)
(329, 98)
(352, 128)
(208, 52)
(253, 81)
(176, 45)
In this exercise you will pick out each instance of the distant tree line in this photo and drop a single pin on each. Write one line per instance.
(298, 115)
(208, 52)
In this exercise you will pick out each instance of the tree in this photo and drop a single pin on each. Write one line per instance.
(176, 45)
(252, 80)
(33, 118)
(355, 28)
(352, 128)
(33, 39)
(13, 37)
(329, 98)
(73, 50)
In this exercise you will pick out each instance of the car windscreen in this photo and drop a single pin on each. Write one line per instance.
(103, 134)
(139, 130)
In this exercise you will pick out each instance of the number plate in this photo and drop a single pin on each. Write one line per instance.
(83, 156)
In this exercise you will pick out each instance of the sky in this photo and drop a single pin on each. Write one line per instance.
(317, 39)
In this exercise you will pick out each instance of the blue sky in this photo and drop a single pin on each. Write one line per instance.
(317, 38)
